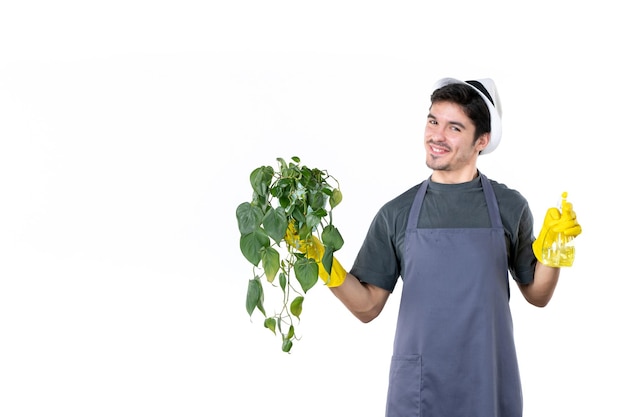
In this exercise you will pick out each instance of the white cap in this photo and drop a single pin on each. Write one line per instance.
(487, 90)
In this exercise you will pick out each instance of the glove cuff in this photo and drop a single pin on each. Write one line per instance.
(337, 274)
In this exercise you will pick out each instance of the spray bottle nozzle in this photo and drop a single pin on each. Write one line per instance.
(565, 206)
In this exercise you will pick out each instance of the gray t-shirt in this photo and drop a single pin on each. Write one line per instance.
(380, 260)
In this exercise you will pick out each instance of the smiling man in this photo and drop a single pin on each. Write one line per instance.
(454, 239)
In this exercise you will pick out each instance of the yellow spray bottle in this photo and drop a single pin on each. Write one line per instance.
(560, 251)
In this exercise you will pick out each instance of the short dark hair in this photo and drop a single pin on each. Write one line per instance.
(470, 101)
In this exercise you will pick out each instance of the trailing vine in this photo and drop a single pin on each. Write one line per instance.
(296, 195)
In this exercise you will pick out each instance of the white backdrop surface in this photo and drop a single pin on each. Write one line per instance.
(128, 131)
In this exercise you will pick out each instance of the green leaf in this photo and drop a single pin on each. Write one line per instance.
(275, 223)
(304, 231)
(287, 345)
(270, 323)
(254, 297)
(296, 306)
(251, 245)
(327, 260)
(313, 219)
(282, 280)
(248, 218)
(306, 271)
(335, 198)
(298, 212)
(306, 179)
(332, 238)
(279, 325)
(271, 262)
(317, 200)
(261, 178)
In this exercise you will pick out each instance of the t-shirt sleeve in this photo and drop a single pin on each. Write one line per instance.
(376, 262)
(522, 264)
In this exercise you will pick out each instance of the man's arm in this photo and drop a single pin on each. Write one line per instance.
(539, 292)
(364, 300)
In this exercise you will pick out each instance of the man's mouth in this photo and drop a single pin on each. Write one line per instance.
(438, 149)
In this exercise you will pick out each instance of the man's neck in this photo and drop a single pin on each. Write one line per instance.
(456, 177)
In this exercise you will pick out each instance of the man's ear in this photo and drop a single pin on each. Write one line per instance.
(483, 141)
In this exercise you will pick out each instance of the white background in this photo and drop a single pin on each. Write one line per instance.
(128, 130)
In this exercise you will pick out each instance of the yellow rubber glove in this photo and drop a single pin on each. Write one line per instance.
(314, 249)
(555, 223)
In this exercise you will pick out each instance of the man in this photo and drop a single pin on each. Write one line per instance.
(453, 239)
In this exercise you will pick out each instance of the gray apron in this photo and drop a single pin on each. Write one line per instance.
(454, 353)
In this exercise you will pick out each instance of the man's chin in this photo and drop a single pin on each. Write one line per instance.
(435, 165)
